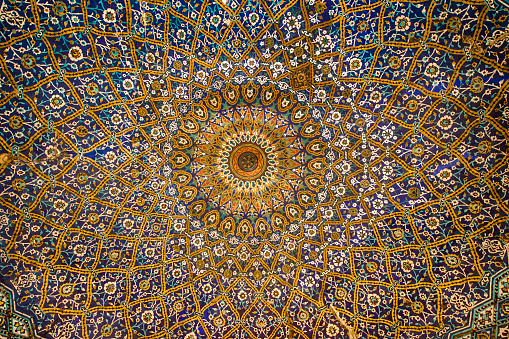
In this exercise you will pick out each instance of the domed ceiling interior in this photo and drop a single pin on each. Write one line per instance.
(254, 169)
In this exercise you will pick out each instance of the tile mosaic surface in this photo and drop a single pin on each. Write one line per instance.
(254, 169)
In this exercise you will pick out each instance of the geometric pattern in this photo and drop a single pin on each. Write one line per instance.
(254, 169)
(489, 318)
(13, 324)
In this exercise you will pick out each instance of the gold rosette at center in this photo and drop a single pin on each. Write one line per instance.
(248, 162)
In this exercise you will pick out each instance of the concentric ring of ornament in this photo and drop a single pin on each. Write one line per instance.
(317, 111)
(281, 151)
(248, 162)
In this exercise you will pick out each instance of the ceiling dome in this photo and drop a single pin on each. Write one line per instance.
(254, 169)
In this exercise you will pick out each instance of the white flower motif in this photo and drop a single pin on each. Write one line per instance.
(244, 255)
(445, 122)
(4, 220)
(150, 252)
(111, 156)
(165, 109)
(445, 174)
(374, 300)
(344, 141)
(253, 18)
(378, 204)
(197, 241)
(176, 273)
(332, 330)
(407, 265)
(375, 96)
(242, 295)
(80, 250)
(355, 64)
(180, 91)
(432, 223)
(52, 151)
(321, 94)
(128, 84)
(433, 70)
(387, 135)
(150, 57)
(345, 167)
(75, 53)
(60, 205)
(116, 118)
(181, 34)
(276, 293)
(325, 41)
(147, 317)
(292, 23)
(56, 101)
(114, 191)
(225, 65)
(201, 75)
(179, 227)
(309, 281)
(277, 67)
(402, 23)
(109, 15)
(387, 170)
(341, 191)
(128, 223)
(215, 20)
(251, 63)
(155, 132)
(110, 287)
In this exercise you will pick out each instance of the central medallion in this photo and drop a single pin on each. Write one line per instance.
(252, 170)
(248, 162)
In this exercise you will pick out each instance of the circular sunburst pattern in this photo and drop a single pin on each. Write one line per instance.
(248, 162)
(258, 207)
(254, 169)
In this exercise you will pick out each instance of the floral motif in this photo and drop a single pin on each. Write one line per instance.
(256, 169)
